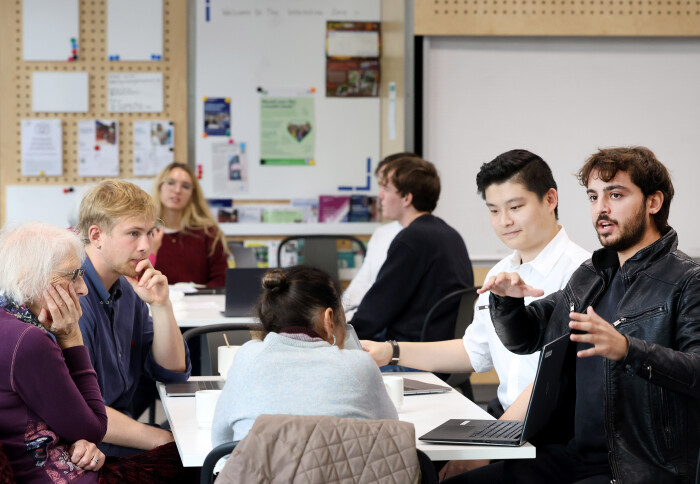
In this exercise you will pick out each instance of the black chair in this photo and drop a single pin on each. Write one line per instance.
(465, 315)
(207, 476)
(428, 473)
(236, 333)
(320, 251)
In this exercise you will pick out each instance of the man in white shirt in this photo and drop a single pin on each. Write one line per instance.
(521, 196)
(377, 248)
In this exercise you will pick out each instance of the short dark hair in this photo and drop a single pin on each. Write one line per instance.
(518, 166)
(414, 175)
(644, 169)
(395, 156)
(295, 296)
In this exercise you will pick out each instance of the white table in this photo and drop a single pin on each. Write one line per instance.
(203, 310)
(424, 411)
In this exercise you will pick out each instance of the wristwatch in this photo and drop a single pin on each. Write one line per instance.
(395, 354)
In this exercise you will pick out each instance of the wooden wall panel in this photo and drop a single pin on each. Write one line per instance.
(16, 89)
(558, 17)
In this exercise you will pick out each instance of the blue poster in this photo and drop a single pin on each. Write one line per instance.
(217, 116)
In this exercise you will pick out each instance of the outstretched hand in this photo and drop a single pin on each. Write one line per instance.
(509, 284)
(381, 353)
(606, 340)
(151, 286)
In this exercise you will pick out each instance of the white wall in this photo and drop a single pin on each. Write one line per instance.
(561, 98)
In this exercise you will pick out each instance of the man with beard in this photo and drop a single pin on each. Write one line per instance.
(116, 223)
(630, 403)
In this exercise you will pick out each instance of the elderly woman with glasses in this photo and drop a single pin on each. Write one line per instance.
(51, 411)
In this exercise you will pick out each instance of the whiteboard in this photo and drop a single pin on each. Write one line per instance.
(55, 204)
(280, 46)
(561, 98)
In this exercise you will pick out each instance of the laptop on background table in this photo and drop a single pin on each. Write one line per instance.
(512, 433)
(243, 288)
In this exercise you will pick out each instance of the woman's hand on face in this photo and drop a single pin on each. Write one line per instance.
(61, 314)
(86, 455)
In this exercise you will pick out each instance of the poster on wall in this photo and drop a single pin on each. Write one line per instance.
(352, 59)
(230, 167)
(217, 116)
(153, 146)
(42, 147)
(98, 148)
(287, 131)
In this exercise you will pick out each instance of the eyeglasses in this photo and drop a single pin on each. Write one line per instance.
(74, 274)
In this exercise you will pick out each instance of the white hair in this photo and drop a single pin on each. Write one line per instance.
(29, 254)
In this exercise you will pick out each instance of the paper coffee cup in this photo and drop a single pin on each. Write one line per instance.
(205, 405)
(226, 355)
(394, 387)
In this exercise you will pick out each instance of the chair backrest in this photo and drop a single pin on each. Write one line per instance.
(322, 449)
(465, 315)
(236, 333)
(465, 312)
(320, 251)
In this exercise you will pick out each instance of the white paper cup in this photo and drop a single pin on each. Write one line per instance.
(226, 355)
(204, 405)
(394, 387)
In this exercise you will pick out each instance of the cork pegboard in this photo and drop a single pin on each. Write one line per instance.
(16, 89)
(671, 18)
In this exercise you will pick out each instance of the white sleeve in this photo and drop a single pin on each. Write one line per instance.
(476, 337)
(360, 284)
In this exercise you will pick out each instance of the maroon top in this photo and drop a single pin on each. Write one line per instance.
(48, 399)
(184, 257)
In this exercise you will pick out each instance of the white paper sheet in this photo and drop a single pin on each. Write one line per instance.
(60, 92)
(49, 28)
(154, 142)
(230, 168)
(98, 148)
(135, 30)
(135, 93)
(42, 147)
(342, 43)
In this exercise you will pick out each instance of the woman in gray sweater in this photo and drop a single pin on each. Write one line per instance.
(300, 368)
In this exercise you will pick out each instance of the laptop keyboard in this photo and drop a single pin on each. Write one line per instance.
(501, 429)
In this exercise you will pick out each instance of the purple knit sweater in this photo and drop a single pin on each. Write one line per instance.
(48, 399)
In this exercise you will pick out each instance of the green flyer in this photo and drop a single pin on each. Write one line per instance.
(287, 131)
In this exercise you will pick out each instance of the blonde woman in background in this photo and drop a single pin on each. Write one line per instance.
(193, 248)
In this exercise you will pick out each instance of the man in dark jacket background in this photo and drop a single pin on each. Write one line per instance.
(633, 311)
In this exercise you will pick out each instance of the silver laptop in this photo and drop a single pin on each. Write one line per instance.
(512, 433)
(188, 388)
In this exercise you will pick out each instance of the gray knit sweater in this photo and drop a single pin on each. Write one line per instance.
(281, 375)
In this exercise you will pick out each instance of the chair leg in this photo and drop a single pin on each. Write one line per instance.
(152, 413)
(467, 390)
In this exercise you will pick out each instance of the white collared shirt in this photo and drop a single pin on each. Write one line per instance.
(549, 271)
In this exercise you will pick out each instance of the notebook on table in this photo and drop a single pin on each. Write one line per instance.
(415, 387)
(188, 388)
(543, 401)
(243, 288)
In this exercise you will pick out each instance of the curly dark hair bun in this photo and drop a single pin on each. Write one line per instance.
(274, 280)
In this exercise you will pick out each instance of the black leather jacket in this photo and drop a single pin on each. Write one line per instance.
(652, 396)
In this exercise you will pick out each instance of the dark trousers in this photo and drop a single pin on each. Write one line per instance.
(553, 464)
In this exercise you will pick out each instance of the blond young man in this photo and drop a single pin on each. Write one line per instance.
(116, 223)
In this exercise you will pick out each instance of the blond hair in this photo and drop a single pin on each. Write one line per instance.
(29, 254)
(196, 215)
(110, 201)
